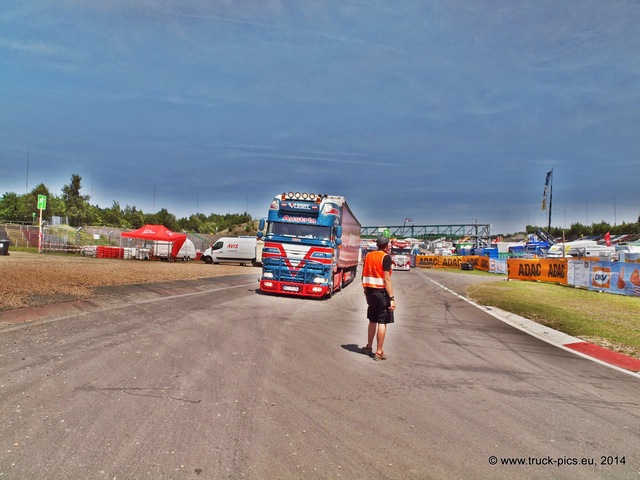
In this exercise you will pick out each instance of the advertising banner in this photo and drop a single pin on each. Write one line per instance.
(446, 261)
(486, 264)
(498, 265)
(615, 277)
(578, 274)
(438, 261)
(541, 270)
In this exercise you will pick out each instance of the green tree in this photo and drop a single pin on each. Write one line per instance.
(56, 206)
(30, 203)
(163, 217)
(191, 224)
(600, 228)
(113, 216)
(209, 228)
(577, 230)
(11, 207)
(77, 205)
(133, 217)
(93, 215)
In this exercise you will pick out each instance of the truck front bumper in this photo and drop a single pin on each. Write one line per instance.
(292, 288)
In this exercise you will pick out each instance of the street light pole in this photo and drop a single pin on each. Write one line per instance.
(404, 225)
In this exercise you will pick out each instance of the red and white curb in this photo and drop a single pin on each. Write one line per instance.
(604, 356)
(585, 349)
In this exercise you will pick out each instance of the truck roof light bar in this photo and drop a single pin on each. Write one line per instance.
(302, 196)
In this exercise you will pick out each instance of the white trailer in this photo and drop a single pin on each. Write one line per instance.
(163, 250)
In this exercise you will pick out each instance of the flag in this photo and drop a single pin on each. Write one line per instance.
(607, 239)
(546, 190)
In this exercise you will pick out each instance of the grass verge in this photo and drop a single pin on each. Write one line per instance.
(611, 321)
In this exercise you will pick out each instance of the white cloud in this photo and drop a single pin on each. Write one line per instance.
(35, 48)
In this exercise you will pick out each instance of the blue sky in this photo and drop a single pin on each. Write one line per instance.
(442, 111)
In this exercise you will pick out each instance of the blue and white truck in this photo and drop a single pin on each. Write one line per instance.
(311, 245)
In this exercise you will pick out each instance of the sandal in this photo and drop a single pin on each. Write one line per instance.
(380, 356)
(367, 350)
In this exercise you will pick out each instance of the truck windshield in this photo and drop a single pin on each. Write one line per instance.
(299, 230)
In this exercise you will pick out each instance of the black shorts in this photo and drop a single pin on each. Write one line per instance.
(378, 310)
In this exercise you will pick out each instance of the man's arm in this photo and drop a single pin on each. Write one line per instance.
(386, 276)
(387, 283)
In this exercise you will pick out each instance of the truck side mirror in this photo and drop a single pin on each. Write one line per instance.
(259, 234)
(338, 231)
(261, 224)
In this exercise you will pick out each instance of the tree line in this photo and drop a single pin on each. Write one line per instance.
(578, 230)
(78, 211)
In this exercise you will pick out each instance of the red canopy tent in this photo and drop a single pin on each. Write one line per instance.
(159, 233)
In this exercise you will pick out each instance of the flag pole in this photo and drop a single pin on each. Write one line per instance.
(550, 202)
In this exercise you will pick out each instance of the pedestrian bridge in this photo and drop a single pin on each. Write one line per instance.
(479, 232)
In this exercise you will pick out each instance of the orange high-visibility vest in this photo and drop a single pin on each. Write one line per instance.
(372, 273)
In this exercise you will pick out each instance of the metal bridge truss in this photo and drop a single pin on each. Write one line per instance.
(480, 233)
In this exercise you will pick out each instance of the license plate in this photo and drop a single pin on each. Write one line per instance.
(288, 288)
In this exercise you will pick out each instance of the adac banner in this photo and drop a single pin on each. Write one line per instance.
(615, 277)
(538, 269)
(446, 261)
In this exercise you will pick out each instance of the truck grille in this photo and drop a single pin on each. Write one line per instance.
(283, 273)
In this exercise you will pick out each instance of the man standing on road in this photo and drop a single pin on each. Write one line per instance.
(376, 281)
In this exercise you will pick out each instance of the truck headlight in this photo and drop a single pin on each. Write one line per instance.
(320, 280)
(267, 275)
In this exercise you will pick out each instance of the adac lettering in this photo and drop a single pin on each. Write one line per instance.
(453, 262)
(556, 270)
(529, 269)
(428, 262)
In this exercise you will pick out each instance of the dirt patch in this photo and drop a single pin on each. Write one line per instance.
(30, 280)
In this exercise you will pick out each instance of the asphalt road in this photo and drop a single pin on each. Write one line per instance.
(214, 380)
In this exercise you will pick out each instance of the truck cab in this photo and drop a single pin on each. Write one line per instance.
(311, 245)
(400, 255)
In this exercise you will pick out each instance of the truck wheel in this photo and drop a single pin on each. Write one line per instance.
(208, 260)
(330, 292)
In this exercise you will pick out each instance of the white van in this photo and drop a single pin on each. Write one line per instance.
(163, 250)
(240, 250)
